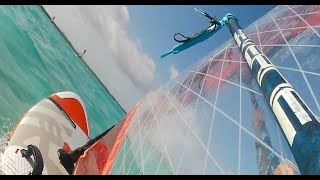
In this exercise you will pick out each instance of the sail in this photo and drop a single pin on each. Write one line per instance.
(213, 118)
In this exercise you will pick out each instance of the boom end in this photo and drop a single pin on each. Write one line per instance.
(166, 54)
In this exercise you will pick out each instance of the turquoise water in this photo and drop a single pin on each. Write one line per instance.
(36, 62)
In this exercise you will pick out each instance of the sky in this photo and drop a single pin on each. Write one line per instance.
(124, 43)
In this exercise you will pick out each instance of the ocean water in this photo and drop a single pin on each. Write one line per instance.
(35, 62)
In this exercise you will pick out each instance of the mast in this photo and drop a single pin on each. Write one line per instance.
(297, 122)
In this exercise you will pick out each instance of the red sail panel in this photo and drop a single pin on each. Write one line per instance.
(99, 158)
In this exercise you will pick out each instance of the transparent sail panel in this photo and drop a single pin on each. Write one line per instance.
(213, 118)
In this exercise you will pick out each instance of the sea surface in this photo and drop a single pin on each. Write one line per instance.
(35, 62)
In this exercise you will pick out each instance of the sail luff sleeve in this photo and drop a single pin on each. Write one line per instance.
(298, 123)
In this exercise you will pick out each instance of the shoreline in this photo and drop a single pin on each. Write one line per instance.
(70, 44)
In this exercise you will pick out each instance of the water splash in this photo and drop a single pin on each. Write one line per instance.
(7, 126)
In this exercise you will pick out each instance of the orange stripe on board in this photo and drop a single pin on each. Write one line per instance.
(74, 110)
(97, 161)
(14, 129)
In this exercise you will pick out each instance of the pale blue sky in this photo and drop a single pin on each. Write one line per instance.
(124, 43)
(154, 26)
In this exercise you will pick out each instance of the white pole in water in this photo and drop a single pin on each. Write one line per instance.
(298, 123)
